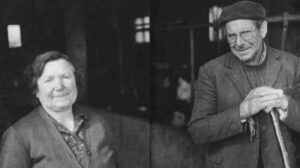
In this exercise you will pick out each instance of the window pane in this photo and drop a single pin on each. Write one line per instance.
(147, 36)
(139, 38)
(146, 20)
(14, 36)
(139, 27)
(214, 14)
(138, 21)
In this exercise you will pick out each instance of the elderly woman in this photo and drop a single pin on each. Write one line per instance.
(57, 133)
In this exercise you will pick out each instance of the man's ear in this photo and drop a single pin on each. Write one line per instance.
(264, 29)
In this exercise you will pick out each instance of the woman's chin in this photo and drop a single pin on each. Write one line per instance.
(61, 106)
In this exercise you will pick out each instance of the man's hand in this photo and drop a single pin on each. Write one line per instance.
(262, 98)
(281, 105)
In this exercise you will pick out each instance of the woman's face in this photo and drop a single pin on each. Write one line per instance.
(57, 90)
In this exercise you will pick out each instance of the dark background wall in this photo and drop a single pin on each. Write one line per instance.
(124, 78)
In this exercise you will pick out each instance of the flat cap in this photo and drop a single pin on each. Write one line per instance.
(242, 10)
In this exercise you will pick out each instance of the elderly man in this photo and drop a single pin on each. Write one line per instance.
(235, 93)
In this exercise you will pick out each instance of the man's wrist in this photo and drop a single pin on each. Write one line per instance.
(243, 112)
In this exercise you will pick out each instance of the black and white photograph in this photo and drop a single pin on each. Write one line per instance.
(150, 84)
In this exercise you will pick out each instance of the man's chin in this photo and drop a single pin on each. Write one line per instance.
(244, 57)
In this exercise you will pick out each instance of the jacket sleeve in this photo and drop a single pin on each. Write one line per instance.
(114, 160)
(293, 118)
(103, 143)
(207, 124)
(13, 152)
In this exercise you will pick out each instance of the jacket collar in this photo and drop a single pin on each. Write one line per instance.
(238, 78)
(56, 138)
(231, 60)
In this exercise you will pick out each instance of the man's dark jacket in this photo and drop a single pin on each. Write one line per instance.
(215, 121)
(34, 142)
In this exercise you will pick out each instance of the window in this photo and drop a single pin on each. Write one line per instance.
(214, 34)
(142, 27)
(14, 36)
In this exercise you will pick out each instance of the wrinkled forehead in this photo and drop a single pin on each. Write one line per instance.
(239, 25)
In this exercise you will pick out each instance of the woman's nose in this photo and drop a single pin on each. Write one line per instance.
(59, 84)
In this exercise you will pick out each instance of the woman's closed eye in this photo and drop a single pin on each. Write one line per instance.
(48, 80)
(67, 76)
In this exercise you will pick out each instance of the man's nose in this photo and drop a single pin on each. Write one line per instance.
(239, 41)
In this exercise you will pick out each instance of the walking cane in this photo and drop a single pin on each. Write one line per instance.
(280, 138)
(274, 112)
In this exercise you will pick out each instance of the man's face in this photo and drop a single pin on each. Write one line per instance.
(245, 39)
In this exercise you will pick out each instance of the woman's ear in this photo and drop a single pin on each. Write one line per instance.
(36, 93)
